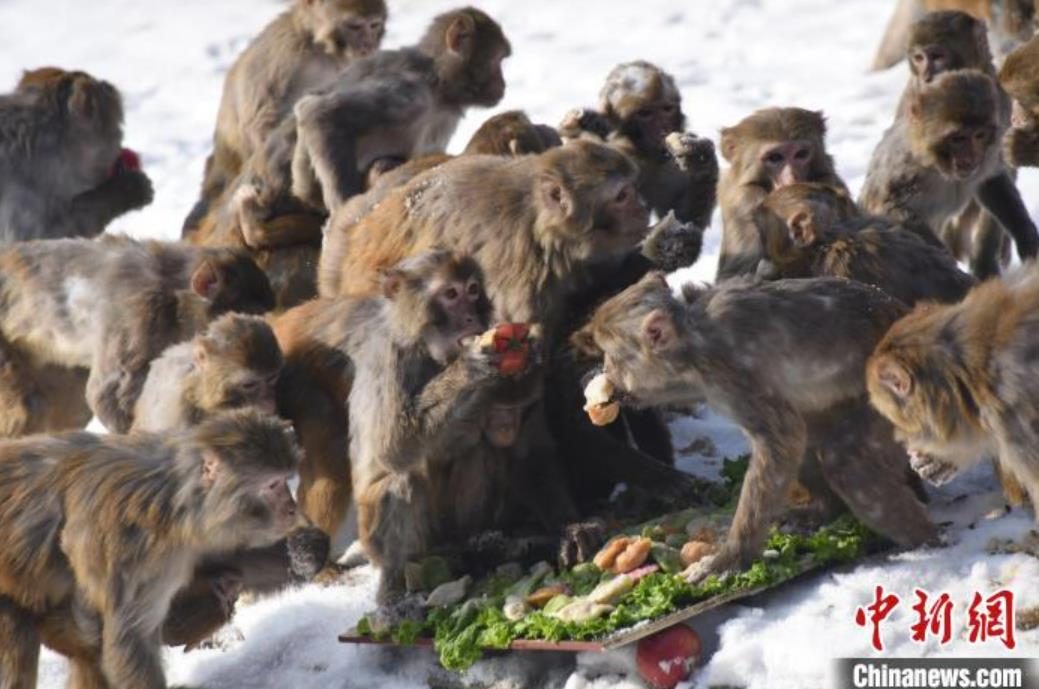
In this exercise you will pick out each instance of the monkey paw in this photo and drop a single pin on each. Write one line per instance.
(579, 121)
(720, 564)
(671, 244)
(135, 188)
(934, 471)
(580, 542)
(692, 153)
(308, 552)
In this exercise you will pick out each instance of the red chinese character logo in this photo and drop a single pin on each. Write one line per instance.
(996, 620)
(937, 619)
(878, 611)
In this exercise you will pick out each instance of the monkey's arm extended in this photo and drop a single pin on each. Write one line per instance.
(778, 438)
(325, 166)
(1000, 197)
(91, 211)
(695, 157)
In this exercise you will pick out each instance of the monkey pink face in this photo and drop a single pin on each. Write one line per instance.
(459, 310)
(273, 491)
(961, 153)
(253, 390)
(362, 36)
(263, 509)
(621, 218)
(788, 163)
(929, 61)
(343, 32)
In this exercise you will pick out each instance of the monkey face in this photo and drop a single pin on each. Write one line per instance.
(650, 124)
(231, 282)
(927, 62)
(788, 162)
(458, 311)
(962, 152)
(343, 31)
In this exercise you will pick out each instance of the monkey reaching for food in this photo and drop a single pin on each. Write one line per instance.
(101, 531)
(785, 361)
(109, 306)
(640, 112)
(814, 230)
(958, 381)
(62, 171)
(767, 150)
(941, 152)
(396, 104)
(1019, 77)
(304, 49)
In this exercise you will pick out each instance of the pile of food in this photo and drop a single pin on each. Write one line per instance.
(635, 578)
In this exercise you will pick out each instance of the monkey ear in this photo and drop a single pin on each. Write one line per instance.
(391, 281)
(802, 229)
(206, 281)
(459, 35)
(211, 468)
(658, 331)
(728, 144)
(583, 342)
(555, 197)
(82, 101)
(895, 377)
(200, 354)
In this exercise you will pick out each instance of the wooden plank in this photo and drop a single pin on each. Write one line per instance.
(352, 637)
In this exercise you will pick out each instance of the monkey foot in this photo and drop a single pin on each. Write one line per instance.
(932, 470)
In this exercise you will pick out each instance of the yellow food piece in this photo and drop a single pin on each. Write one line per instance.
(604, 414)
(694, 551)
(605, 558)
(542, 596)
(633, 556)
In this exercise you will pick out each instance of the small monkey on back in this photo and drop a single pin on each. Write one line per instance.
(1019, 76)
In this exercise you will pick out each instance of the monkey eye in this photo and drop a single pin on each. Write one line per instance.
(375, 26)
(774, 158)
(451, 293)
(802, 154)
(981, 135)
(622, 196)
(919, 57)
(473, 289)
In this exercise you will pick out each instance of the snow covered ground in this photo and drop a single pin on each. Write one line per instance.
(729, 58)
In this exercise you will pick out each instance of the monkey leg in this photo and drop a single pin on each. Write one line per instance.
(20, 397)
(324, 474)
(989, 247)
(86, 674)
(393, 517)
(19, 647)
(866, 467)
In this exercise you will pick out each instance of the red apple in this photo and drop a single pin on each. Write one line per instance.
(667, 657)
(128, 161)
(510, 340)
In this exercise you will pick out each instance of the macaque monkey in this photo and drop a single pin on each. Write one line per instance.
(1019, 77)
(1009, 23)
(100, 532)
(958, 381)
(232, 364)
(942, 151)
(304, 49)
(640, 112)
(813, 230)
(109, 306)
(396, 104)
(63, 172)
(424, 424)
(785, 361)
(767, 150)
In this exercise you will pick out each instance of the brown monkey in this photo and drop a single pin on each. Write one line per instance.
(785, 361)
(941, 152)
(640, 112)
(302, 50)
(1009, 23)
(813, 230)
(958, 381)
(428, 437)
(769, 149)
(511, 133)
(110, 306)
(1019, 77)
(232, 364)
(101, 531)
(62, 170)
(396, 104)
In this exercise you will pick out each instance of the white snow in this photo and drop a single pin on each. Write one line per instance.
(728, 57)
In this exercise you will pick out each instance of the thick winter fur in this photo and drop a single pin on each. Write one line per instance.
(60, 137)
(785, 361)
(1019, 76)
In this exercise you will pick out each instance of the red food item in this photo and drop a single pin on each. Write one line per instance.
(667, 657)
(128, 161)
(510, 340)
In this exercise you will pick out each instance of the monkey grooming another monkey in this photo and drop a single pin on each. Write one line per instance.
(396, 104)
(63, 172)
(785, 361)
(110, 306)
(767, 150)
(304, 49)
(941, 152)
(813, 230)
(1019, 77)
(101, 531)
(958, 381)
(640, 112)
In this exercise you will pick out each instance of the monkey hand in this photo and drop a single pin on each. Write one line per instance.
(585, 121)
(580, 542)
(133, 188)
(671, 244)
(722, 563)
(510, 349)
(308, 552)
(692, 153)
(1021, 146)
(934, 471)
